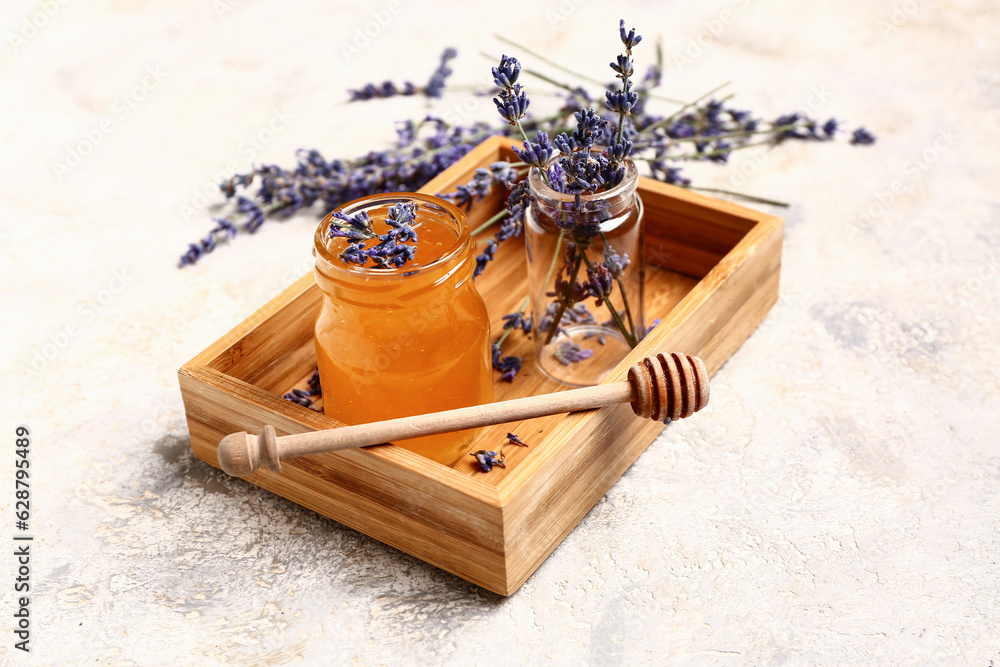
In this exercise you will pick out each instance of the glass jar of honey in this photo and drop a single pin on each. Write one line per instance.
(396, 342)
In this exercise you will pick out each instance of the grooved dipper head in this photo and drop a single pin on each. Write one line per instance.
(669, 387)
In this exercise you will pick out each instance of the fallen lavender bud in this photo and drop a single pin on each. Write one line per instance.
(487, 459)
(515, 440)
(862, 137)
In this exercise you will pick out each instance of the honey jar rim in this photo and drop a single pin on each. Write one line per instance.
(321, 252)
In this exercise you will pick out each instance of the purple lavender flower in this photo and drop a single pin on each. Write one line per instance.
(357, 227)
(517, 321)
(386, 89)
(254, 214)
(588, 124)
(435, 87)
(512, 103)
(506, 73)
(424, 147)
(621, 101)
(570, 353)
(513, 439)
(619, 150)
(314, 386)
(391, 249)
(508, 367)
(862, 137)
(598, 283)
(299, 396)
(623, 67)
(487, 459)
(485, 257)
(615, 263)
(629, 39)
(565, 144)
(538, 153)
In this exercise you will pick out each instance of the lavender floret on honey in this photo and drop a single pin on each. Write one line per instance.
(391, 249)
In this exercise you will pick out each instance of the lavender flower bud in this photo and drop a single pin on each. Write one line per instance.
(621, 102)
(505, 75)
(623, 66)
(487, 459)
(629, 39)
(512, 104)
(536, 154)
(862, 137)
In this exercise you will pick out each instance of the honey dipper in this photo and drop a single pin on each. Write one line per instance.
(662, 387)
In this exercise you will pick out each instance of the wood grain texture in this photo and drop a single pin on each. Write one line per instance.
(713, 273)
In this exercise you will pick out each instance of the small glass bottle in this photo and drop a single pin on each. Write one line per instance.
(397, 342)
(586, 270)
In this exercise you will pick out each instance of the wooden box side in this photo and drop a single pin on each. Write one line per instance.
(454, 523)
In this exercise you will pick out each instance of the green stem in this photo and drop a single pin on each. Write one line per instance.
(553, 63)
(695, 156)
(743, 133)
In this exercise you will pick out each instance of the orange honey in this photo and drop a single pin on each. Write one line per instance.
(401, 342)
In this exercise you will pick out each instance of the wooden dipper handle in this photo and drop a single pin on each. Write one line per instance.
(664, 387)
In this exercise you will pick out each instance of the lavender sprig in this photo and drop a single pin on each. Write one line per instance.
(433, 89)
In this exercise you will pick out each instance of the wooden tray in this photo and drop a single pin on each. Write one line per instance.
(712, 276)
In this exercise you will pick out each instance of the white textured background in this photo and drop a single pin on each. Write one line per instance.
(836, 504)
